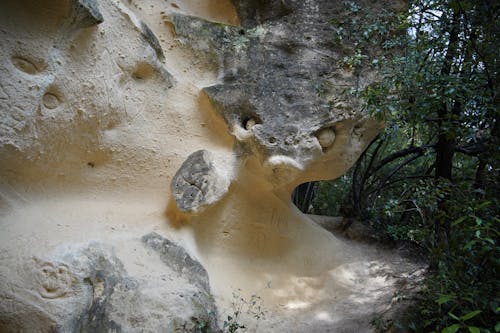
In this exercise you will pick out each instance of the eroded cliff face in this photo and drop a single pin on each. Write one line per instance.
(148, 152)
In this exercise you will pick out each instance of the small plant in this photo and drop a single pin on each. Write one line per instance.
(381, 325)
(239, 305)
(201, 325)
(233, 321)
(354, 61)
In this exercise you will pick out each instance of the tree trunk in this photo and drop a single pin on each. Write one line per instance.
(445, 147)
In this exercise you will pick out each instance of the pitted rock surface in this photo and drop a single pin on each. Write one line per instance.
(197, 183)
(282, 73)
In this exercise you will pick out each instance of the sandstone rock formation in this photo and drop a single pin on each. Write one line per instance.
(148, 152)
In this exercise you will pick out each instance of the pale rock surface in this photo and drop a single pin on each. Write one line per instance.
(103, 102)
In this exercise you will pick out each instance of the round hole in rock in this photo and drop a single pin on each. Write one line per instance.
(358, 129)
(249, 122)
(28, 66)
(326, 137)
(142, 71)
(50, 100)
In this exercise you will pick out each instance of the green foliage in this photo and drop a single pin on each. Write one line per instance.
(233, 322)
(432, 177)
(200, 325)
(462, 291)
(240, 305)
(329, 195)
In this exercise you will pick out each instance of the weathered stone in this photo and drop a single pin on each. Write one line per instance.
(326, 137)
(89, 290)
(197, 183)
(19, 314)
(150, 37)
(281, 72)
(86, 13)
(176, 257)
(103, 276)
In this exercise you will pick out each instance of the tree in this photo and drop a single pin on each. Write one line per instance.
(432, 176)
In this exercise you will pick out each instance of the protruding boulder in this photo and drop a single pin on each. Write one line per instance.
(198, 183)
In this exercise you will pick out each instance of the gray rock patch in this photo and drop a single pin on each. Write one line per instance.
(86, 14)
(197, 183)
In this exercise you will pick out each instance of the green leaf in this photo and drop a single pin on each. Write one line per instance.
(489, 240)
(445, 298)
(478, 220)
(470, 315)
(451, 329)
(497, 327)
(473, 329)
(453, 316)
(459, 220)
(484, 204)
(469, 244)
